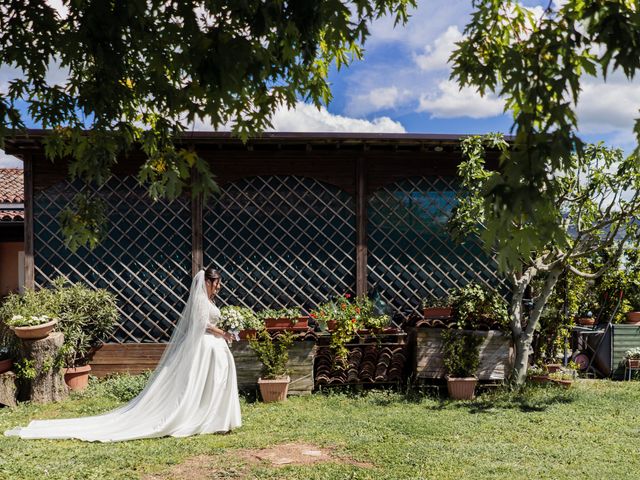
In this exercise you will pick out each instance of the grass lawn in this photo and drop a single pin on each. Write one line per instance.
(589, 431)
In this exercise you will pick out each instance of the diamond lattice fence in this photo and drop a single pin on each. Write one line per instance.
(411, 255)
(145, 261)
(281, 240)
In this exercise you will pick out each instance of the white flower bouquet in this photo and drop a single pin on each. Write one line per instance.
(234, 319)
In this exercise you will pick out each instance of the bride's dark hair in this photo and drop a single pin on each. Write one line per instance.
(212, 274)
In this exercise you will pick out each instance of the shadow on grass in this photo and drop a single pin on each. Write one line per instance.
(530, 400)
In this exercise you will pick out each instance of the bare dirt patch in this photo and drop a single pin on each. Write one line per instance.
(236, 463)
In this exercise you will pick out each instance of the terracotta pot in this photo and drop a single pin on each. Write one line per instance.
(586, 321)
(274, 390)
(437, 312)
(633, 318)
(540, 378)
(553, 367)
(287, 323)
(562, 383)
(77, 378)
(36, 332)
(245, 334)
(461, 388)
(5, 365)
(631, 363)
(331, 325)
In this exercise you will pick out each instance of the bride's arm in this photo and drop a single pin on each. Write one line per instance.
(219, 332)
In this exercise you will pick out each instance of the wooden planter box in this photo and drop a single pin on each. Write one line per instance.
(139, 357)
(496, 354)
(301, 355)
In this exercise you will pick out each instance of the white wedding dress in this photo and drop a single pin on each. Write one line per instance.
(192, 391)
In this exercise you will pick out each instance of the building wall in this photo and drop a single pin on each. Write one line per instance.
(10, 266)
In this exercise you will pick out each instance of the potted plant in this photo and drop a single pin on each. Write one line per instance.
(563, 378)
(461, 359)
(241, 320)
(342, 318)
(32, 327)
(31, 316)
(6, 359)
(632, 357)
(436, 307)
(273, 353)
(87, 317)
(474, 305)
(284, 318)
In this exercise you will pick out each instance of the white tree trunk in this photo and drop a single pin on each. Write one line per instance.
(523, 336)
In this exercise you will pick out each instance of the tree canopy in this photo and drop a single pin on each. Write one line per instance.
(537, 64)
(137, 72)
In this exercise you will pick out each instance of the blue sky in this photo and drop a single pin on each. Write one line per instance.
(403, 85)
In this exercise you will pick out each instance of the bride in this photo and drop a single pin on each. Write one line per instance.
(192, 391)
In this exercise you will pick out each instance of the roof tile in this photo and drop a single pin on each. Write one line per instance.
(11, 185)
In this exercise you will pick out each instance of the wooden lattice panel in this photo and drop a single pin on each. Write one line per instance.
(411, 255)
(281, 240)
(145, 261)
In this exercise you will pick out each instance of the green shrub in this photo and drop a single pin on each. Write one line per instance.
(273, 353)
(474, 304)
(86, 316)
(461, 356)
(120, 386)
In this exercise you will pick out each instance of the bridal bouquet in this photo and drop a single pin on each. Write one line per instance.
(234, 319)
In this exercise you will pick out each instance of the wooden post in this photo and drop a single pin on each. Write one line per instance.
(29, 266)
(361, 228)
(197, 254)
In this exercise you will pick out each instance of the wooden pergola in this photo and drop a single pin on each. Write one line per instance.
(301, 217)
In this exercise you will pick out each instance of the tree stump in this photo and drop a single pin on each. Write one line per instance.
(48, 384)
(8, 389)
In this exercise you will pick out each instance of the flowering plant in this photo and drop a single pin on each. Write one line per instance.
(350, 316)
(29, 320)
(234, 319)
(633, 354)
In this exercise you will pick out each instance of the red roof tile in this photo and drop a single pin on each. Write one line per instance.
(11, 185)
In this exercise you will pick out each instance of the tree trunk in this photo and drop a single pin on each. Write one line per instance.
(523, 336)
(48, 384)
(522, 344)
(8, 390)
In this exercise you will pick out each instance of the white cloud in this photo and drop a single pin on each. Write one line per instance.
(9, 161)
(453, 102)
(608, 107)
(436, 56)
(426, 23)
(307, 118)
(383, 98)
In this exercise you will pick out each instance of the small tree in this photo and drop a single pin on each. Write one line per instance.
(598, 210)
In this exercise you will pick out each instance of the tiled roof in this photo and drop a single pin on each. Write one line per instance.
(11, 191)
(11, 185)
(11, 215)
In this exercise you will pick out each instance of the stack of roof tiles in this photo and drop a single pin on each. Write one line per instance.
(365, 364)
(11, 191)
(450, 322)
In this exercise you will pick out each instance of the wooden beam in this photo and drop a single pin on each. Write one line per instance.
(197, 253)
(361, 228)
(29, 266)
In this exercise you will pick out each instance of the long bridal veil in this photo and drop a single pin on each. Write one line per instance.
(163, 406)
